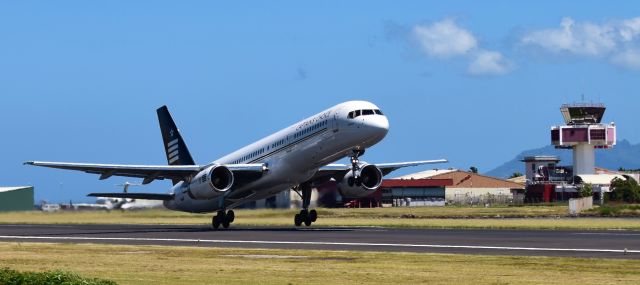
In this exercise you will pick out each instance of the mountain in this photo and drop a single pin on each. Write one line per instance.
(623, 154)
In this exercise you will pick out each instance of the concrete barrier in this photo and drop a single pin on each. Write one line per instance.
(577, 205)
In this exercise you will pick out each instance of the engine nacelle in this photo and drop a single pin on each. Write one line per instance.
(210, 183)
(369, 179)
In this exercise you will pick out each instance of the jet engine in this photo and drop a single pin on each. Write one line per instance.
(369, 178)
(211, 183)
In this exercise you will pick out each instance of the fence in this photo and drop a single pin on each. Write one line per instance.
(486, 199)
(576, 205)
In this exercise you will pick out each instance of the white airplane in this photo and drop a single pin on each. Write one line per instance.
(297, 157)
(128, 204)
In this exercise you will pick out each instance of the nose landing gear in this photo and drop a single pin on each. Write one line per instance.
(355, 179)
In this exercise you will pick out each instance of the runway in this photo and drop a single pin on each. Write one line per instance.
(596, 244)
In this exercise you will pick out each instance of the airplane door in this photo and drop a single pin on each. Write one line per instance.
(335, 122)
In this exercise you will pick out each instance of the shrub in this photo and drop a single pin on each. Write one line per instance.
(608, 211)
(625, 190)
(586, 190)
(13, 277)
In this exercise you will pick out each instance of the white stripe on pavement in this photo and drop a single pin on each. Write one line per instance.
(266, 242)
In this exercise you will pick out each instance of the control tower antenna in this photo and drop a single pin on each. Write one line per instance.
(583, 132)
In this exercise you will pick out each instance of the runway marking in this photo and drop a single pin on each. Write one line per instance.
(608, 234)
(321, 243)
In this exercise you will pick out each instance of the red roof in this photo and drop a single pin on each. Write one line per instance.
(409, 183)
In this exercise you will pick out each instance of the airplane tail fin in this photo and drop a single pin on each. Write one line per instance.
(174, 146)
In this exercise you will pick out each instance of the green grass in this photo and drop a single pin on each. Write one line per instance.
(529, 217)
(160, 265)
(56, 277)
(613, 210)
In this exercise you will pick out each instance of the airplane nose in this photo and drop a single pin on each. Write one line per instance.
(379, 125)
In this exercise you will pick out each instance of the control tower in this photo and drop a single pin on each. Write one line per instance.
(583, 132)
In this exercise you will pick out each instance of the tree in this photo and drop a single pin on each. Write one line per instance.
(586, 190)
(473, 169)
(515, 174)
(626, 190)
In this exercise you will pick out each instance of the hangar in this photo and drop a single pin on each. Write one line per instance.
(19, 198)
(468, 186)
(414, 192)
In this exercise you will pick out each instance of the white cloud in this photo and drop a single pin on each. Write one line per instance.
(444, 39)
(630, 29)
(628, 58)
(576, 38)
(618, 41)
(489, 63)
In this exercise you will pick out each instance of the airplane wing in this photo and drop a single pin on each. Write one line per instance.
(147, 172)
(337, 171)
(144, 196)
(390, 167)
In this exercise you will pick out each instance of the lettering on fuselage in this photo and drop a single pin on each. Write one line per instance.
(312, 121)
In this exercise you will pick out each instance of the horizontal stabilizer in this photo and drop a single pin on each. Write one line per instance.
(144, 196)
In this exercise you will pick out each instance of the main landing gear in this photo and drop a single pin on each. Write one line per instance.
(305, 216)
(223, 219)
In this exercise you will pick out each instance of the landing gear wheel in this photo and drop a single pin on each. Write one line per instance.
(215, 222)
(231, 216)
(223, 219)
(313, 216)
(297, 220)
(304, 216)
(225, 224)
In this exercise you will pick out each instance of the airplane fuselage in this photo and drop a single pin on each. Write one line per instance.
(294, 155)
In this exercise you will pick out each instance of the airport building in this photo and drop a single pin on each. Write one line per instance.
(436, 187)
(413, 192)
(18, 198)
(282, 200)
(439, 187)
(467, 187)
(392, 193)
(582, 133)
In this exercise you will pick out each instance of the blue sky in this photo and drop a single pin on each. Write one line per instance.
(474, 82)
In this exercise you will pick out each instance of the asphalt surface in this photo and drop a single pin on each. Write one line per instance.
(596, 244)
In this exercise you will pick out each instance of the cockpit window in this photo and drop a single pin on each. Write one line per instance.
(358, 113)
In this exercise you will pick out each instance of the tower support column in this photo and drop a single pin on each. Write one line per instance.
(584, 159)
